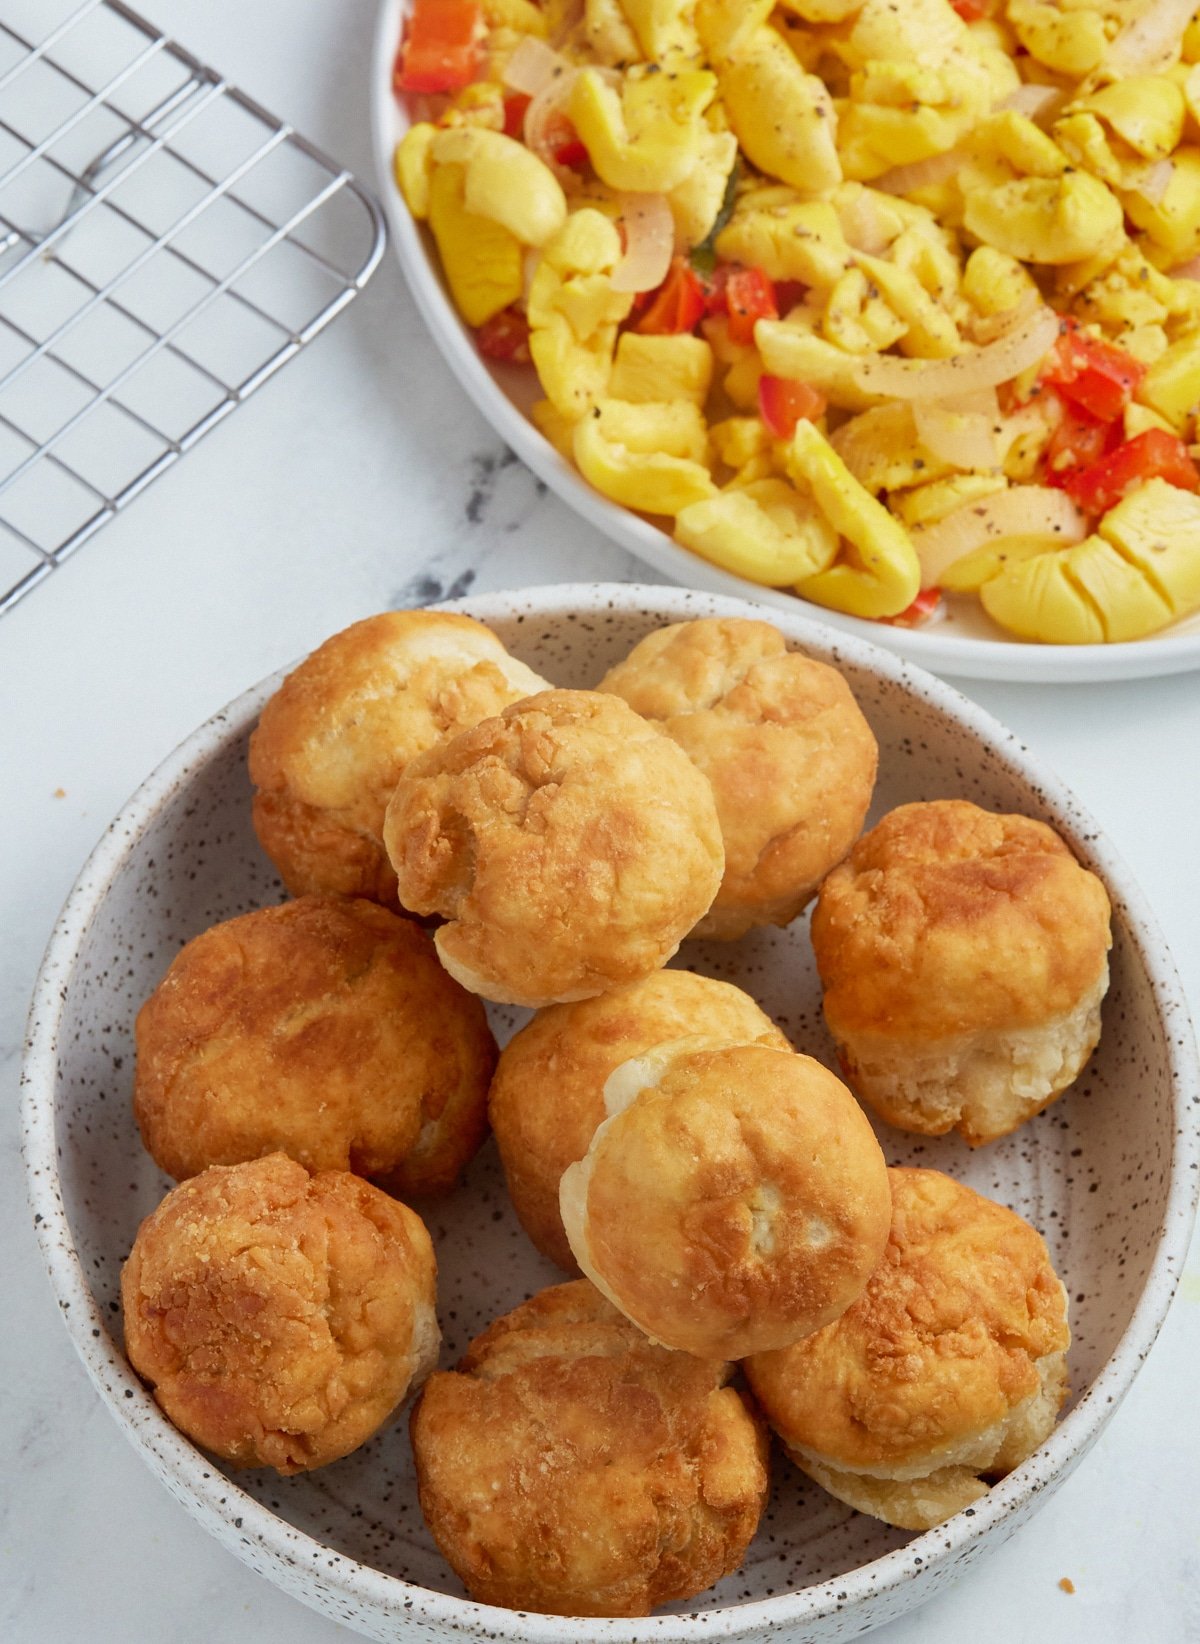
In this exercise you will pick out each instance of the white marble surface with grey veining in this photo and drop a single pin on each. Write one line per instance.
(363, 478)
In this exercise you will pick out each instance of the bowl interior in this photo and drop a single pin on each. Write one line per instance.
(1092, 1173)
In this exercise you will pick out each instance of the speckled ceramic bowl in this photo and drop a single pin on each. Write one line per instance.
(1109, 1180)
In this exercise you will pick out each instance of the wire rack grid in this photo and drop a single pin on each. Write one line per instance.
(166, 246)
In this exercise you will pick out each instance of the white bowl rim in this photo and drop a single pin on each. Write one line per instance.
(963, 655)
(216, 1501)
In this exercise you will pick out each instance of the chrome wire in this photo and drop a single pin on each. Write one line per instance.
(198, 116)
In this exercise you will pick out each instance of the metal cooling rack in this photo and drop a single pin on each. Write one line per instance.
(166, 245)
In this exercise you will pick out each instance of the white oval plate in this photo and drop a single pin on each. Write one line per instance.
(1108, 1179)
(963, 643)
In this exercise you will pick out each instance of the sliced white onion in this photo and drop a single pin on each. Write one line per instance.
(1021, 511)
(1156, 182)
(649, 242)
(961, 432)
(547, 103)
(1018, 348)
(1149, 42)
(533, 65)
(1035, 101)
(921, 174)
(988, 327)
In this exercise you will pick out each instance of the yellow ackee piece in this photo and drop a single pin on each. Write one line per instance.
(741, 380)
(572, 275)
(929, 31)
(574, 312)
(1046, 220)
(1157, 529)
(1138, 419)
(1146, 343)
(782, 115)
(995, 283)
(559, 430)
(1071, 43)
(1172, 224)
(764, 531)
(1184, 305)
(520, 15)
(881, 449)
(662, 368)
(1037, 599)
(1015, 139)
(902, 112)
(856, 317)
(1172, 383)
(788, 238)
(1088, 143)
(1139, 572)
(926, 504)
(504, 181)
(1083, 595)
(648, 457)
(1072, 278)
(870, 219)
(724, 25)
(483, 263)
(1130, 292)
(574, 374)
(791, 350)
(646, 137)
(1024, 436)
(479, 104)
(665, 31)
(674, 428)
(1145, 111)
(1191, 41)
(736, 441)
(411, 166)
(821, 11)
(920, 83)
(929, 332)
(605, 35)
(883, 576)
(934, 255)
(968, 574)
(696, 202)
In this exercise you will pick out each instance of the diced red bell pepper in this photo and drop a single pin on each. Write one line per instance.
(515, 105)
(922, 610)
(677, 306)
(505, 337)
(571, 153)
(716, 300)
(789, 294)
(1093, 375)
(441, 47)
(749, 297)
(1077, 442)
(785, 401)
(970, 11)
(1152, 455)
(564, 143)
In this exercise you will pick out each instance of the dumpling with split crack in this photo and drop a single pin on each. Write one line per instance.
(734, 1200)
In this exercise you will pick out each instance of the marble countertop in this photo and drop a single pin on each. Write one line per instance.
(361, 479)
